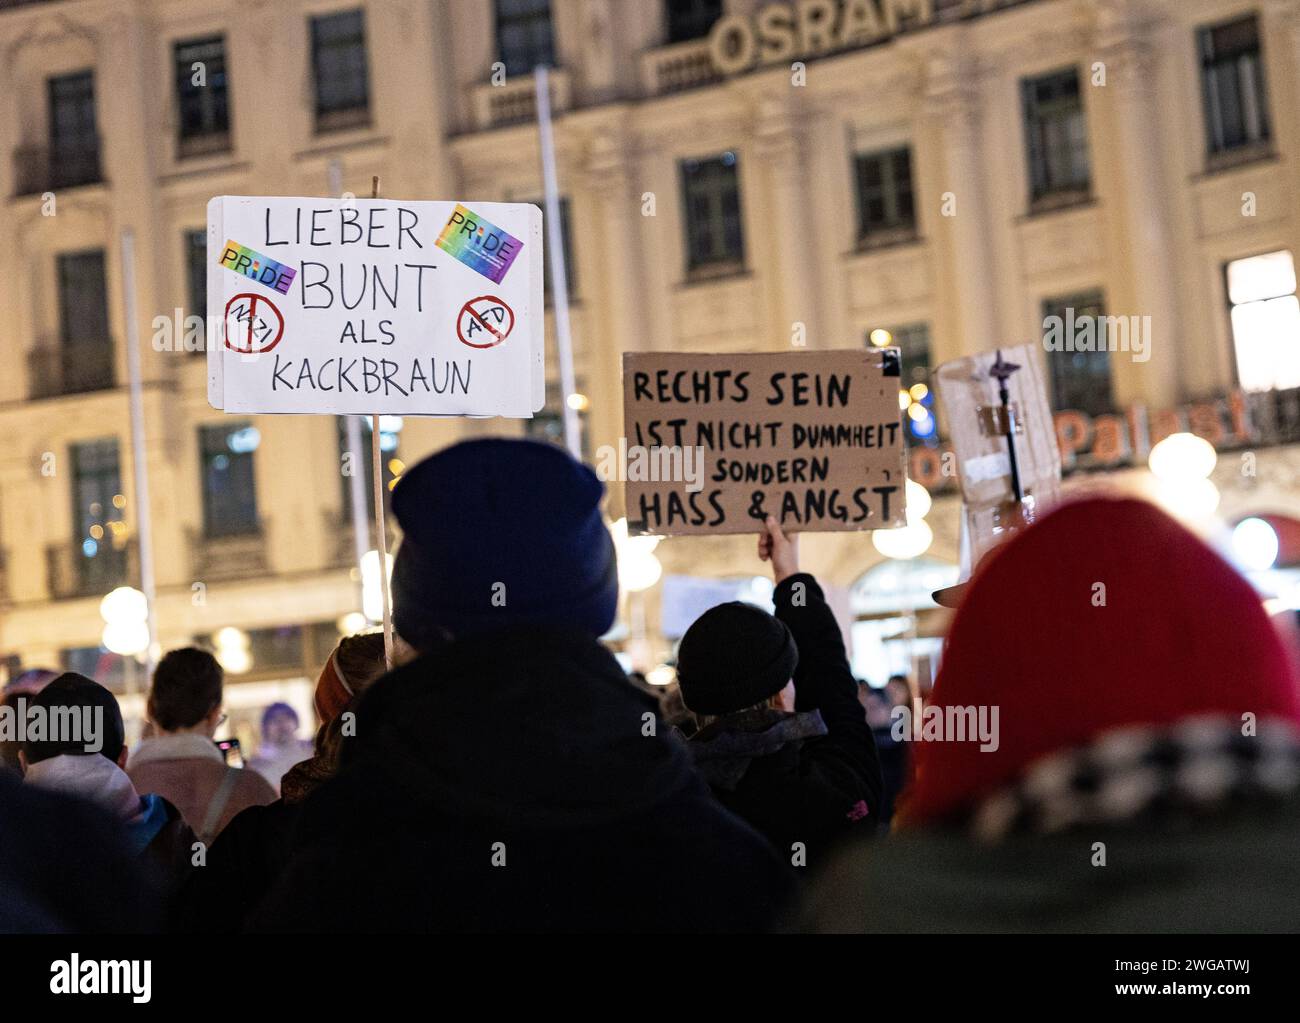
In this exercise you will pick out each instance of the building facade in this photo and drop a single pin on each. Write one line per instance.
(943, 175)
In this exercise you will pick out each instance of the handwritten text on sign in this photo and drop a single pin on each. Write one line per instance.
(813, 438)
(375, 306)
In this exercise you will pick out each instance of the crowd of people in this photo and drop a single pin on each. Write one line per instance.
(505, 774)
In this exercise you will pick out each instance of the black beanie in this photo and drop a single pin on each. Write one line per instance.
(734, 656)
(77, 691)
(499, 532)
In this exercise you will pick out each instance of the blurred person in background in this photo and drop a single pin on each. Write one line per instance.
(253, 849)
(1144, 774)
(807, 779)
(181, 761)
(892, 752)
(280, 747)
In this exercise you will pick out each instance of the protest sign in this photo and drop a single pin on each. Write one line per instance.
(977, 426)
(370, 306)
(716, 442)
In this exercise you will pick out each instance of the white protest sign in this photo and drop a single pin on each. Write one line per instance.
(375, 307)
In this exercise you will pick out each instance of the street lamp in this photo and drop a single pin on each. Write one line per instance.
(1181, 464)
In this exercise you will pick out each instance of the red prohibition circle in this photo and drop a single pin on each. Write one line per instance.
(500, 335)
(253, 299)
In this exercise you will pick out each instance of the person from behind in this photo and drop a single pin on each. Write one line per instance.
(806, 779)
(181, 761)
(251, 853)
(1112, 746)
(82, 753)
(280, 747)
(510, 778)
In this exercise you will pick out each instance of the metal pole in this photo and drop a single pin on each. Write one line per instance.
(555, 252)
(144, 527)
(381, 528)
(352, 433)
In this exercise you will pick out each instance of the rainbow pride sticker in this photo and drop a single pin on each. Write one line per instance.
(480, 245)
(253, 265)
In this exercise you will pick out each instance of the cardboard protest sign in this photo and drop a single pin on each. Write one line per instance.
(977, 427)
(714, 443)
(375, 307)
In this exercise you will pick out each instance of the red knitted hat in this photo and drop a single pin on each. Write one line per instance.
(1175, 633)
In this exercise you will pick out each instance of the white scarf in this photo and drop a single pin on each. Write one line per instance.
(179, 746)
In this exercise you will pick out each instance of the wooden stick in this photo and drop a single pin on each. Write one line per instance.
(381, 528)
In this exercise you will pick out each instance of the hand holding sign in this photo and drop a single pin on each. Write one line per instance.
(781, 550)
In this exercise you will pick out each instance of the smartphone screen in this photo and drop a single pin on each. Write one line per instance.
(231, 751)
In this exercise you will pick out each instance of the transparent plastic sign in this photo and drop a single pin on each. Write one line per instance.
(977, 426)
(714, 443)
(375, 307)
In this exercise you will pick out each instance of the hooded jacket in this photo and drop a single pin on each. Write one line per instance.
(516, 781)
(1141, 693)
(805, 780)
(154, 829)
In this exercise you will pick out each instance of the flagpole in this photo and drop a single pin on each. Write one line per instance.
(381, 527)
(135, 392)
(555, 253)
(352, 434)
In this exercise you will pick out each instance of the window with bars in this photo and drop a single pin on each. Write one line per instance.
(229, 489)
(85, 356)
(524, 35)
(566, 242)
(73, 158)
(1056, 137)
(196, 269)
(338, 49)
(711, 208)
(202, 95)
(1081, 380)
(98, 533)
(886, 211)
(1232, 78)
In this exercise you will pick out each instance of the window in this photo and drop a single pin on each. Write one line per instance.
(98, 533)
(566, 242)
(74, 142)
(1080, 379)
(885, 208)
(711, 206)
(85, 357)
(229, 492)
(1232, 75)
(524, 38)
(202, 96)
(915, 396)
(338, 54)
(691, 19)
(362, 463)
(196, 263)
(1056, 136)
(1265, 321)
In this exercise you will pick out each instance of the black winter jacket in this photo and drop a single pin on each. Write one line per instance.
(805, 780)
(518, 782)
